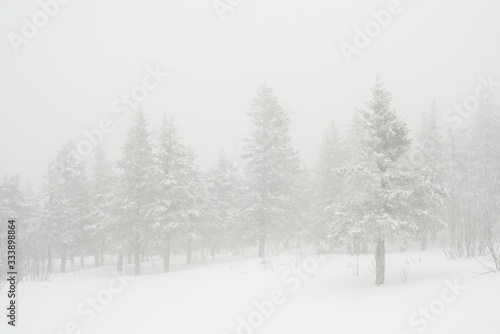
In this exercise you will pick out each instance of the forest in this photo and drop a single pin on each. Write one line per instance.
(374, 184)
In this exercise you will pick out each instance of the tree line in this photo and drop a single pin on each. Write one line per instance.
(366, 189)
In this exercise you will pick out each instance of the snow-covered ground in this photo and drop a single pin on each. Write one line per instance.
(318, 296)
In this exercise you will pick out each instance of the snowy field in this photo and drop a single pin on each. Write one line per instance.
(318, 296)
(210, 166)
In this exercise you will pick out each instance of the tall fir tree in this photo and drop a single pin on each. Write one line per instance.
(223, 184)
(376, 203)
(168, 210)
(67, 204)
(272, 166)
(100, 215)
(433, 166)
(134, 189)
(13, 205)
(196, 202)
(327, 183)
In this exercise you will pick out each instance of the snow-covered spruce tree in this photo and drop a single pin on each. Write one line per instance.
(67, 203)
(100, 216)
(433, 166)
(222, 184)
(33, 244)
(196, 202)
(47, 222)
(303, 212)
(327, 183)
(354, 147)
(376, 202)
(430, 142)
(171, 203)
(13, 205)
(134, 193)
(271, 169)
(19, 203)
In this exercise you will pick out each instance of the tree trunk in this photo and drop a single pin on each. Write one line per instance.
(357, 264)
(213, 251)
(166, 255)
(348, 248)
(262, 241)
(49, 259)
(143, 254)
(63, 259)
(356, 247)
(423, 245)
(137, 248)
(72, 261)
(380, 262)
(82, 261)
(101, 255)
(188, 252)
(119, 265)
(96, 259)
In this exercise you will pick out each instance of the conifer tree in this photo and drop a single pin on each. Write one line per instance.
(223, 183)
(376, 204)
(134, 189)
(101, 212)
(271, 169)
(168, 210)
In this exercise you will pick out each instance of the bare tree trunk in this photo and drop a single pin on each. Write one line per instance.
(144, 255)
(348, 248)
(119, 265)
(49, 260)
(380, 262)
(137, 248)
(189, 252)
(166, 255)
(213, 251)
(357, 264)
(82, 261)
(101, 255)
(356, 247)
(262, 240)
(63, 259)
(423, 245)
(96, 259)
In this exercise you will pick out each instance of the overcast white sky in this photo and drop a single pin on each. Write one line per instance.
(92, 51)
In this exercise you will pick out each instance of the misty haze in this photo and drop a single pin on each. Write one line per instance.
(241, 167)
